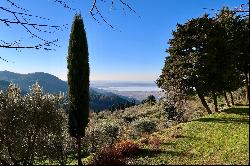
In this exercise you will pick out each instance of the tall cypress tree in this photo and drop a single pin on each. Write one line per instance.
(78, 81)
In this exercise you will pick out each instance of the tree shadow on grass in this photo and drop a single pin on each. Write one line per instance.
(240, 104)
(188, 137)
(152, 153)
(239, 111)
(224, 120)
(169, 143)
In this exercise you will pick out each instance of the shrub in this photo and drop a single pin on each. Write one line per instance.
(174, 114)
(150, 99)
(239, 96)
(32, 127)
(144, 140)
(154, 142)
(94, 139)
(107, 155)
(127, 148)
(145, 126)
(112, 132)
(129, 118)
(100, 132)
(151, 140)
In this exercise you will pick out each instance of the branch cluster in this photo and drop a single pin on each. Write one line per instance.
(35, 26)
(19, 16)
(95, 11)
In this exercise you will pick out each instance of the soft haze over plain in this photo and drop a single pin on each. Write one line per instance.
(134, 52)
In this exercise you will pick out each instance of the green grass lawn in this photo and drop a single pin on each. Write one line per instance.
(220, 138)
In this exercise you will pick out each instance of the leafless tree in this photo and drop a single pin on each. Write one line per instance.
(242, 9)
(35, 26)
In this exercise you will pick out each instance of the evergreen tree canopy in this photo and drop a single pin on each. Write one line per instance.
(78, 78)
(204, 56)
(187, 65)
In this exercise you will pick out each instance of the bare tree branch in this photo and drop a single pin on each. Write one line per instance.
(94, 7)
(64, 4)
(17, 6)
(21, 17)
(95, 11)
(243, 9)
(16, 45)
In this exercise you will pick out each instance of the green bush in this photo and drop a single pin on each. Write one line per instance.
(112, 132)
(150, 99)
(174, 114)
(128, 118)
(32, 127)
(145, 126)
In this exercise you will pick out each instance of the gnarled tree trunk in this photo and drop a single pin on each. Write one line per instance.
(204, 103)
(78, 139)
(232, 98)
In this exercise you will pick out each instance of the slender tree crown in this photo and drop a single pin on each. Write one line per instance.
(78, 78)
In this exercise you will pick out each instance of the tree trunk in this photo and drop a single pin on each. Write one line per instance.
(215, 103)
(232, 99)
(93, 143)
(247, 88)
(61, 158)
(226, 99)
(204, 103)
(79, 150)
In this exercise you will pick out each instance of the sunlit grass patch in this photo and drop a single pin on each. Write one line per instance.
(214, 139)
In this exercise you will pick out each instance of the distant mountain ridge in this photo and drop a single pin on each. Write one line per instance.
(50, 83)
(99, 99)
(4, 84)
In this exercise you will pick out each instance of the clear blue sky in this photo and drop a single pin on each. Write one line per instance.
(135, 53)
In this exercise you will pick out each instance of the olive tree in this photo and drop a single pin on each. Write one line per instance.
(32, 127)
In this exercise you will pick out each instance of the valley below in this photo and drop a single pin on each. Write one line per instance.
(139, 95)
(137, 90)
(104, 95)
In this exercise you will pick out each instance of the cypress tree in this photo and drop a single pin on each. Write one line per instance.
(78, 81)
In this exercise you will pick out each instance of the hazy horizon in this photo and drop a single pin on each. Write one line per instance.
(92, 80)
(113, 85)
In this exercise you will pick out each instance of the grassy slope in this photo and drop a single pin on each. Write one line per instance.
(214, 139)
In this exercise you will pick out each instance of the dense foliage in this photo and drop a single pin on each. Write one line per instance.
(78, 81)
(33, 127)
(204, 58)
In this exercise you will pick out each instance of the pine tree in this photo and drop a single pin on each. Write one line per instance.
(78, 81)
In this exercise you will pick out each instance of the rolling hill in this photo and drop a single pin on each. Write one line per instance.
(4, 84)
(99, 99)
